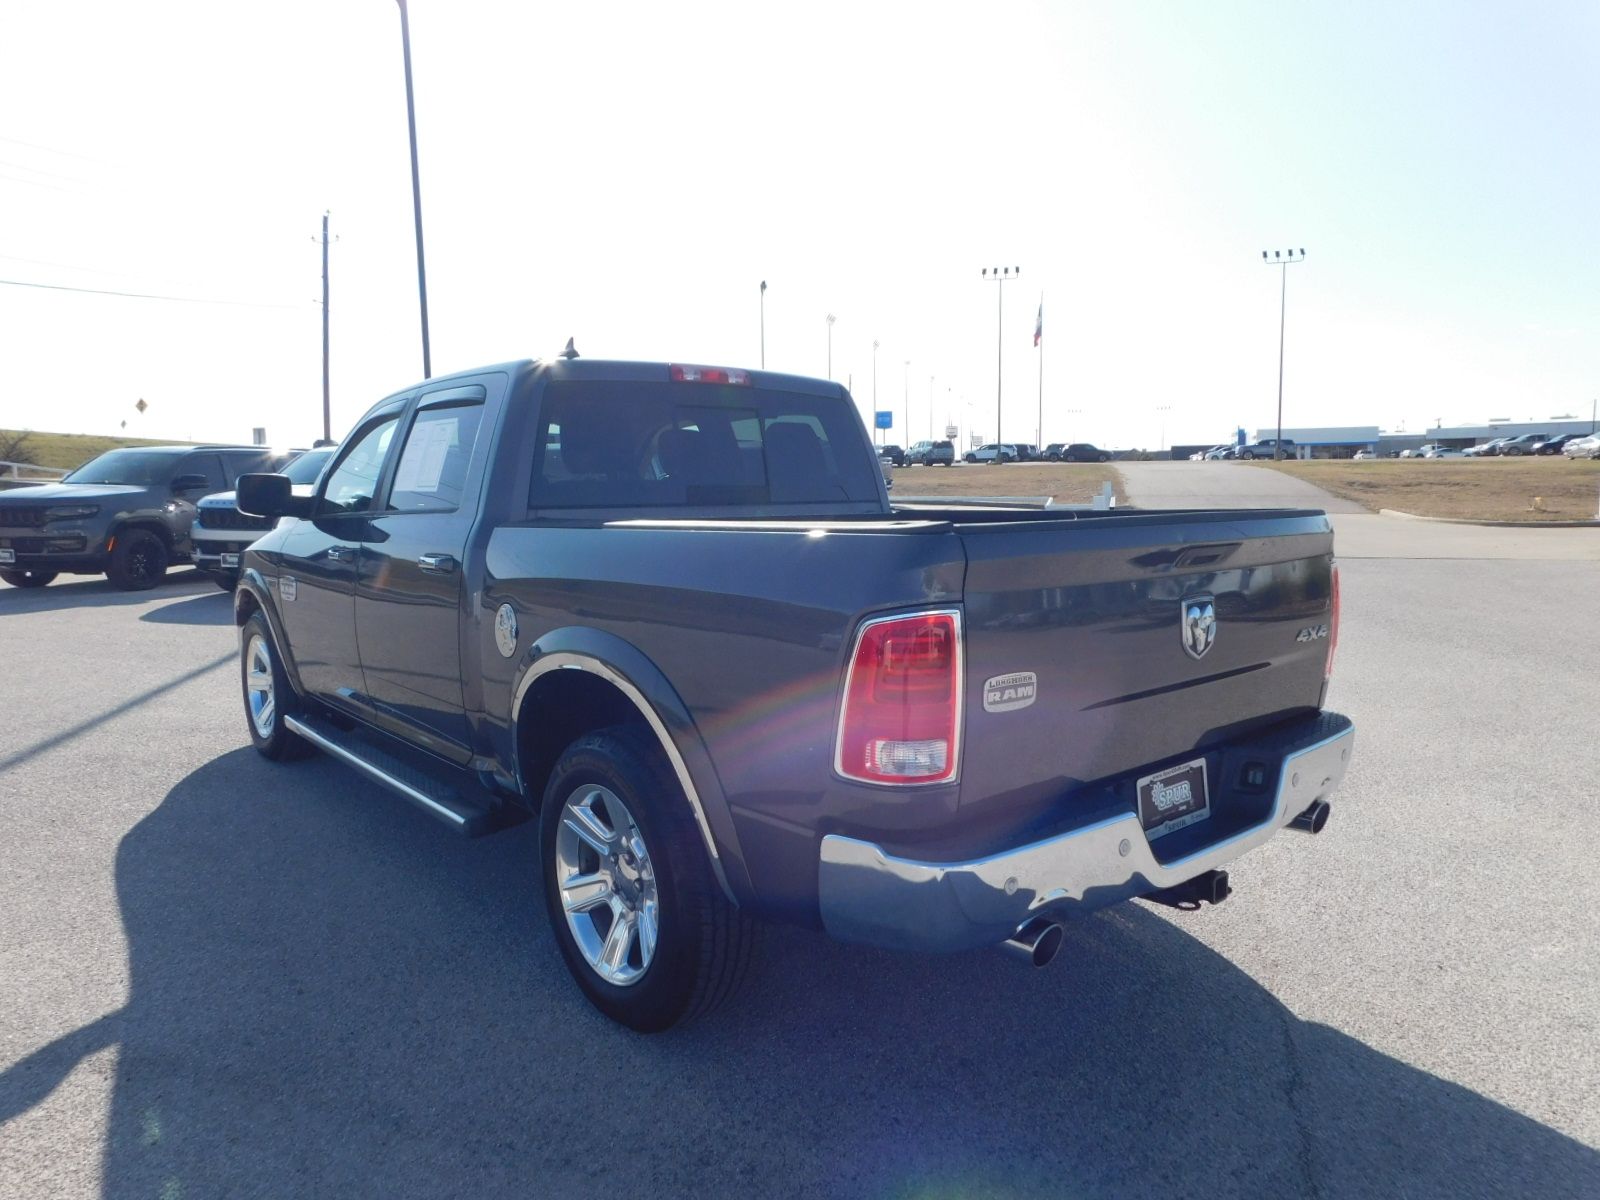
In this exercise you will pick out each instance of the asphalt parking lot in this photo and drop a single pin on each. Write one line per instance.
(224, 977)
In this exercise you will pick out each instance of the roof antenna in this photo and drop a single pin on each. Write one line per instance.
(570, 352)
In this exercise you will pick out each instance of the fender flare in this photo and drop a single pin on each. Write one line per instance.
(254, 587)
(631, 672)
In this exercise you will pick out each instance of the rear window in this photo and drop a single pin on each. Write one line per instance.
(627, 444)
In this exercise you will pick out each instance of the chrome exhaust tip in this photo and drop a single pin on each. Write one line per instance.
(1036, 941)
(1314, 818)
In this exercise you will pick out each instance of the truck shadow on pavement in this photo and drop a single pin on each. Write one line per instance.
(329, 995)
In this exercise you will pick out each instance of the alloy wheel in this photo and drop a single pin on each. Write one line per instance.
(259, 691)
(608, 885)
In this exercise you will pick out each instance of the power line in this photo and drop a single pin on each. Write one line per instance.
(52, 150)
(61, 287)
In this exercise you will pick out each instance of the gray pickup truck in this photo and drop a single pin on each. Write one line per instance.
(671, 612)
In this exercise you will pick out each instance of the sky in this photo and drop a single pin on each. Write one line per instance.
(627, 175)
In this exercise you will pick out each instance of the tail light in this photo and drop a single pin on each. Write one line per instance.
(901, 720)
(1333, 626)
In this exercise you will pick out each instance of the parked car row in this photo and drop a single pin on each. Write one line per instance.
(125, 514)
(130, 514)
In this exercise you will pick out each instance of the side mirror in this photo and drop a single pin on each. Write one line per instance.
(269, 496)
(190, 483)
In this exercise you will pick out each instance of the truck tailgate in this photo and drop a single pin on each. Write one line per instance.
(1093, 610)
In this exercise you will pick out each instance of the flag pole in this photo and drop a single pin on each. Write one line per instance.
(1038, 433)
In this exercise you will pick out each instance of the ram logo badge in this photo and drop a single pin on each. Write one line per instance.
(1197, 625)
(1311, 633)
(1004, 693)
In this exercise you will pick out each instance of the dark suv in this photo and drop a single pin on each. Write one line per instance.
(125, 514)
(1076, 452)
(931, 454)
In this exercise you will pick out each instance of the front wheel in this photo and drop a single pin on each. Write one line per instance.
(1247, 456)
(972, 458)
(26, 578)
(138, 560)
(268, 695)
(637, 913)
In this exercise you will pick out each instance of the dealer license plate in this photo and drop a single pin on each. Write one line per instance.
(8, 556)
(1171, 799)
(230, 560)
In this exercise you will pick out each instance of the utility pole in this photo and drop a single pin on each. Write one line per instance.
(930, 408)
(763, 324)
(416, 190)
(1001, 275)
(327, 418)
(831, 319)
(1281, 258)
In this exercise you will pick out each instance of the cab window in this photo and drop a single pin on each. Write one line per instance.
(353, 483)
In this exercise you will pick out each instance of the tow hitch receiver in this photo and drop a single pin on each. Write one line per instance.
(1210, 887)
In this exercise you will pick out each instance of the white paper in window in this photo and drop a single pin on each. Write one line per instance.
(423, 462)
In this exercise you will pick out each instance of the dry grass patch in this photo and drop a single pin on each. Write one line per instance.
(67, 451)
(1067, 483)
(1481, 489)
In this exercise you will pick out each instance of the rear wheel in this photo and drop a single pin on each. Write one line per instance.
(138, 561)
(636, 910)
(26, 578)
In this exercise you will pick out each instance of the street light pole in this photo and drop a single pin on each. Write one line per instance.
(763, 324)
(831, 320)
(1163, 409)
(875, 389)
(1000, 275)
(906, 402)
(1281, 258)
(416, 190)
(930, 408)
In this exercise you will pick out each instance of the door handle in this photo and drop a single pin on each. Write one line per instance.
(438, 564)
(341, 553)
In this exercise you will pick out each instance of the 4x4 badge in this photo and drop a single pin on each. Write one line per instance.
(1197, 624)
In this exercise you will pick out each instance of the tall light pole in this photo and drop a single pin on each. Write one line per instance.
(1001, 275)
(416, 190)
(1281, 258)
(930, 408)
(1163, 409)
(831, 319)
(906, 402)
(875, 389)
(763, 324)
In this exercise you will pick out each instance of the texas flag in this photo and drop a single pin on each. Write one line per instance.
(1038, 326)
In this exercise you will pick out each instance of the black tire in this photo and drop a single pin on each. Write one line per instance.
(277, 742)
(226, 582)
(26, 577)
(1246, 455)
(1105, 458)
(972, 458)
(139, 561)
(704, 943)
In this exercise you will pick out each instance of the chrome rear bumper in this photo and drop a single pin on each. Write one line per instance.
(869, 895)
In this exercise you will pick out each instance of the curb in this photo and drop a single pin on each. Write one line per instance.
(1405, 516)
